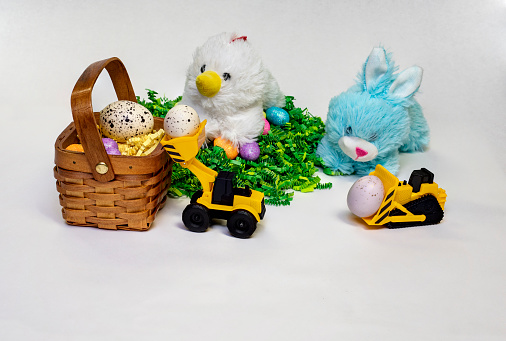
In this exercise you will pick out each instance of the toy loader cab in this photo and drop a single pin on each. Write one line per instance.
(419, 201)
(223, 192)
(218, 199)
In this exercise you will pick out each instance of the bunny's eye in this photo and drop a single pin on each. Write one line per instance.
(203, 68)
(373, 137)
(348, 131)
(226, 76)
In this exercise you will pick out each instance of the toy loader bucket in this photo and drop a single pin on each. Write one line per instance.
(388, 179)
(401, 207)
(183, 151)
(185, 148)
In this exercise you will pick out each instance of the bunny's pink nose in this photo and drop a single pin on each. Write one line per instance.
(360, 152)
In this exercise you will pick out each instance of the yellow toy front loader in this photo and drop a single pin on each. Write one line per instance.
(241, 207)
(420, 201)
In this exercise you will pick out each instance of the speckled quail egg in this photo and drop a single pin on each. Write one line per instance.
(365, 196)
(122, 120)
(181, 120)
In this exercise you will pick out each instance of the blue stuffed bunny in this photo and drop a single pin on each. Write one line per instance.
(375, 119)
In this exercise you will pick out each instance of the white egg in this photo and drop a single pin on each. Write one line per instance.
(122, 120)
(365, 196)
(181, 120)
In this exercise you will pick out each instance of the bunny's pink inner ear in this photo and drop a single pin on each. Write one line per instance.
(244, 38)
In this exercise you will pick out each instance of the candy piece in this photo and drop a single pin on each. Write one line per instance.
(227, 146)
(76, 147)
(267, 127)
(277, 116)
(250, 151)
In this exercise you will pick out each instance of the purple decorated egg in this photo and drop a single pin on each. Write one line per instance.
(112, 151)
(111, 146)
(108, 143)
(250, 151)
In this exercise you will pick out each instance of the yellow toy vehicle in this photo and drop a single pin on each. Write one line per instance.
(420, 201)
(241, 207)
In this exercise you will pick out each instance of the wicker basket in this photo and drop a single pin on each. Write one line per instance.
(100, 190)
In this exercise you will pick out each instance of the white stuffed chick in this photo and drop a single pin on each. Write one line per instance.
(229, 86)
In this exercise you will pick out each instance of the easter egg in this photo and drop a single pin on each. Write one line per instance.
(365, 196)
(267, 127)
(181, 120)
(250, 151)
(227, 146)
(76, 147)
(111, 146)
(277, 116)
(113, 151)
(122, 120)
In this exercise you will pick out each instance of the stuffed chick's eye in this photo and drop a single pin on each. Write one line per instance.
(348, 131)
(226, 76)
(203, 68)
(373, 137)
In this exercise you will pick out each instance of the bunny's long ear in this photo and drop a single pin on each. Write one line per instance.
(407, 82)
(376, 66)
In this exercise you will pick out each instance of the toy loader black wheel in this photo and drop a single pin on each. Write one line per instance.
(426, 205)
(196, 218)
(242, 224)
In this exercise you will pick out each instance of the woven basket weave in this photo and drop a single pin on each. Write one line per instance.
(107, 191)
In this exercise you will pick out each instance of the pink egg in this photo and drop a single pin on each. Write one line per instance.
(267, 127)
(250, 151)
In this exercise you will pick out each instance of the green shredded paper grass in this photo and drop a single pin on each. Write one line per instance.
(287, 161)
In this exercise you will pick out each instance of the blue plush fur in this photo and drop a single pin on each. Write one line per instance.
(376, 118)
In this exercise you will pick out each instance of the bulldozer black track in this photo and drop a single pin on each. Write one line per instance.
(426, 205)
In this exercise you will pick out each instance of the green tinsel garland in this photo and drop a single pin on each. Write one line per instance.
(287, 159)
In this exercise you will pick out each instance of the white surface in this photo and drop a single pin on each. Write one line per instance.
(312, 271)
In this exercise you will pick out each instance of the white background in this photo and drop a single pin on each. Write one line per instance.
(312, 271)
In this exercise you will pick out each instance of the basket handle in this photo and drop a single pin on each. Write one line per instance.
(84, 120)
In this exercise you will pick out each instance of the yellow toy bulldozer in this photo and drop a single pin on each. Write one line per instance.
(241, 207)
(420, 201)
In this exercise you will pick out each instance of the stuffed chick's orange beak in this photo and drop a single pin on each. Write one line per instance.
(208, 83)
